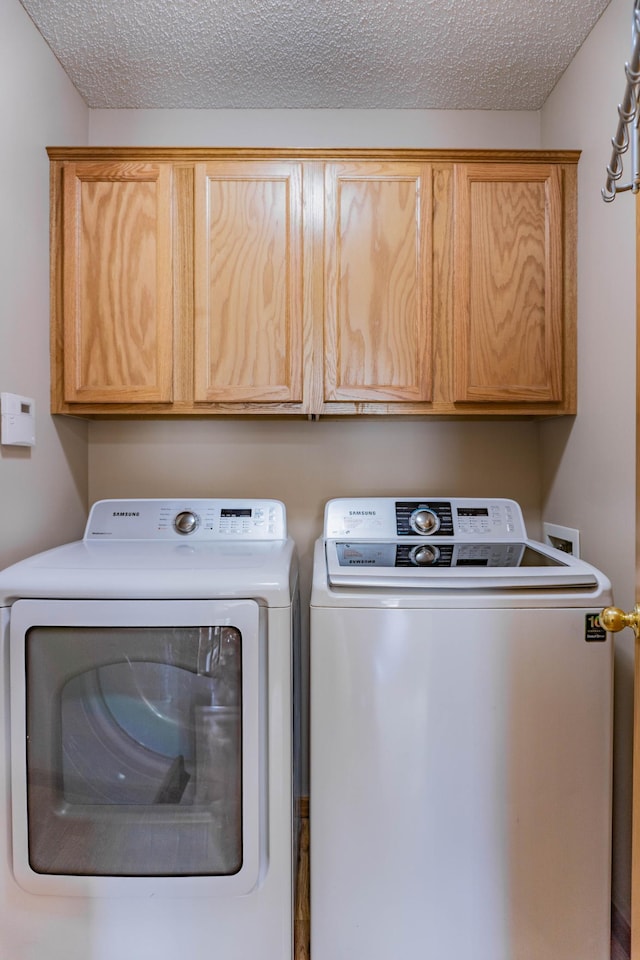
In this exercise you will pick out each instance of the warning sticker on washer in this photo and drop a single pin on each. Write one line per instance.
(594, 632)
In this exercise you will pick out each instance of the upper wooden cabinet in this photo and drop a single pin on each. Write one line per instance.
(201, 281)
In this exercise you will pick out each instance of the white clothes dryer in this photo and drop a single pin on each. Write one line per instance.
(149, 670)
(461, 737)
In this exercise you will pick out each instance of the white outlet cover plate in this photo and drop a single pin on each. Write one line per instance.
(562, 533)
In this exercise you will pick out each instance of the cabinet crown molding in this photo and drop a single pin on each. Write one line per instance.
(173, 154)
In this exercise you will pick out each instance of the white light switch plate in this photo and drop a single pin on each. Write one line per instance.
(17, 420)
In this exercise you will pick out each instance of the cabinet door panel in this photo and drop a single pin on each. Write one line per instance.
(508, 267)
(117, 283)
(378, 282)
(249, 287)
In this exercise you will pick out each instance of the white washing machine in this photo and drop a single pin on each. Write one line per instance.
(461, 728)
(148, 671)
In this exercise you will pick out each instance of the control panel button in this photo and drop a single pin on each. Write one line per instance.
(424, 521)
(186, 522)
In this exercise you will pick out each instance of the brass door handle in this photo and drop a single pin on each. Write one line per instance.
(614, 619)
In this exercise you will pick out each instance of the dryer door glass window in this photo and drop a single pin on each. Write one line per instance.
(134, 750)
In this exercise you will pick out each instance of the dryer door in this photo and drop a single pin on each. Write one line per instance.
(136, 746)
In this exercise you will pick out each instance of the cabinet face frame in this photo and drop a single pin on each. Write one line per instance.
(508, 283)
(117, 283)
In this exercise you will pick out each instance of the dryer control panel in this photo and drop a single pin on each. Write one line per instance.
(388, 518)
(203, 519)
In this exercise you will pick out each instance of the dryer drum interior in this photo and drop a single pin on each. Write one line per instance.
(134, 750)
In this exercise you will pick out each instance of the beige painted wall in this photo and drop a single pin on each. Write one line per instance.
(589, 465)
(42, 491)
(305, 463)
(316, 128)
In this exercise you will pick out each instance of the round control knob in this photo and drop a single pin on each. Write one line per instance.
(424, 521)
(424, 556)
(185, 522)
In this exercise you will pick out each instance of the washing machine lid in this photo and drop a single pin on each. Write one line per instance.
(134, 549)
(447, 564)
(441, 543)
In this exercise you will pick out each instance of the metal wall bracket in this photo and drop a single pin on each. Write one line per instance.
(627, 133)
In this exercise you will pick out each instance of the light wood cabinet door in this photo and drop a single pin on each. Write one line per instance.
(117, 290)
(248, 282)
(508, 283)
(377, 282)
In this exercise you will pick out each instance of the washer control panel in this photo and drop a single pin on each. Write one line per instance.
(461, 518)
(187, 520)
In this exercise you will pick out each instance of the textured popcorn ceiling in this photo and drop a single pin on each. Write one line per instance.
(357, 54)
